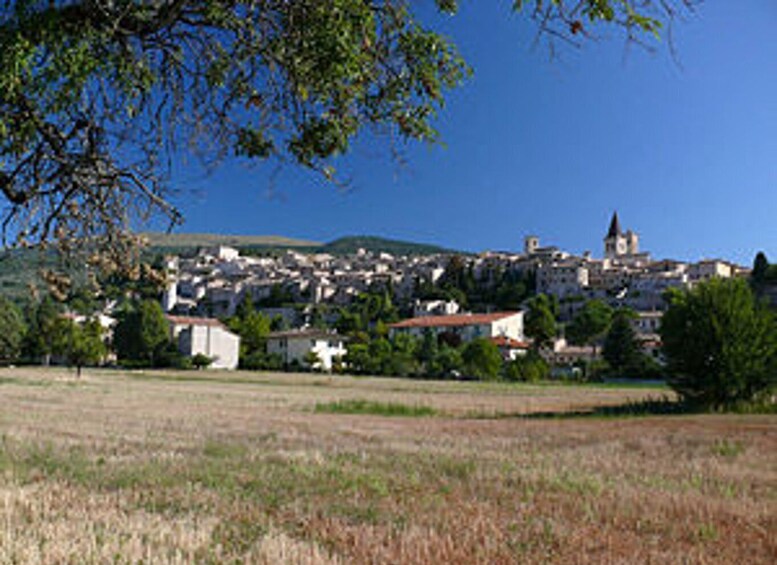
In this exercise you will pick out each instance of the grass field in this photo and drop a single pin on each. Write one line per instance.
(214, 467)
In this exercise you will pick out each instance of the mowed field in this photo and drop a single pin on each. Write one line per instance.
(209, 467)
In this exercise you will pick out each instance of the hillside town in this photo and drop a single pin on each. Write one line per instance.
(215, 281)
(540, 312)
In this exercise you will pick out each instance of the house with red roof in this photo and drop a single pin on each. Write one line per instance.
(464, 327)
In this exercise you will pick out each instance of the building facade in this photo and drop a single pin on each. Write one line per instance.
(205, 336)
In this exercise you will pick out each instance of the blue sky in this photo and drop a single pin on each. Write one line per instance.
(687, 153)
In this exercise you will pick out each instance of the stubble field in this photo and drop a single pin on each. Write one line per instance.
(212, 467)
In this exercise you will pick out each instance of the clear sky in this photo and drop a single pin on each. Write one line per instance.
(687, 153)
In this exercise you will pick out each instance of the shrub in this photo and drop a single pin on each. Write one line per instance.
(201, 361)
(529, 368)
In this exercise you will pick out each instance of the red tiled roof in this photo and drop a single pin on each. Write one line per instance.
(452, 320)
(194, 321)
(504, 341)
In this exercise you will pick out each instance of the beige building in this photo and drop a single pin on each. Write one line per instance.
(205, 336)
(295, 345)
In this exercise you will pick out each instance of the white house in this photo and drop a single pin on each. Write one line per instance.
(294, 345)
(206, 336)
(465, 327)
(435, 307)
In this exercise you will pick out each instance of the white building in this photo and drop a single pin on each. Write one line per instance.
(710, 269)
(465, 327)
(435, 308)
(297, 344)
(206, 336)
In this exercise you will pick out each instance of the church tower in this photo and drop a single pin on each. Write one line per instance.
(616, 243)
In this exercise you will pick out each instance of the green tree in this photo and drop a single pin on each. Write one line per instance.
(141, 333)
(527, 368)
(80, 345)
(621, 349)
(96, 96)
(760, 269)
(312, 360)
(12, 330)
(482, 359)
(446, 363)
(590, 323)
(540, 321)
(428, 348)
(41, 334)
(252, 327)
(357, 358)
(720, 344)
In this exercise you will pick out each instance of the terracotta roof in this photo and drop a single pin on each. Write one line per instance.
(504, 341)
(452, 320)
(194, 321)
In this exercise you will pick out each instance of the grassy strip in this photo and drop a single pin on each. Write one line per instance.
(359, 406)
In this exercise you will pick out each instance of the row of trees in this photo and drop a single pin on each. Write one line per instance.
(430, 357)
(42, 332)
(595, 324)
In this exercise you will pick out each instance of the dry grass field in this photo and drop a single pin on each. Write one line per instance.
(212, 467)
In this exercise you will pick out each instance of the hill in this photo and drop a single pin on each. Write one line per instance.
(18, 268)
(351, 244)
(161, 240)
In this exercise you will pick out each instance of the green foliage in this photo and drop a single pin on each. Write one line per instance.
(370, 311)
(481, 359)
(312, 361)
(78, 344)
(201, 361)
(621, 349)
(261, 361)
(446, 363)
(590, 323)
(720, 344)
(760, 269)
(292, 80)
(359, 406)
(142, 332)
(96, 99)
(12, 330)
(40, 339)
(351, 244)
(527, 368)
(492, 288)
(252, 327)
(540, 321)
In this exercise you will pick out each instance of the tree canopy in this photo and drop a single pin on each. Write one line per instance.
(12, 330)
(98, 97)
(590, 323)
(621, 349)
(720, 343)
(540, 321)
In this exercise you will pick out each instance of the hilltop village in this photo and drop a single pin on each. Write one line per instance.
(307, 294)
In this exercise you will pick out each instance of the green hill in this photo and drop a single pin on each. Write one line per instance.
(351, 244)
(160, 240)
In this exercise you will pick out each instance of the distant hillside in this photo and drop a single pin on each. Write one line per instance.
(196, 240)
(18, 268)
(351, 244)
